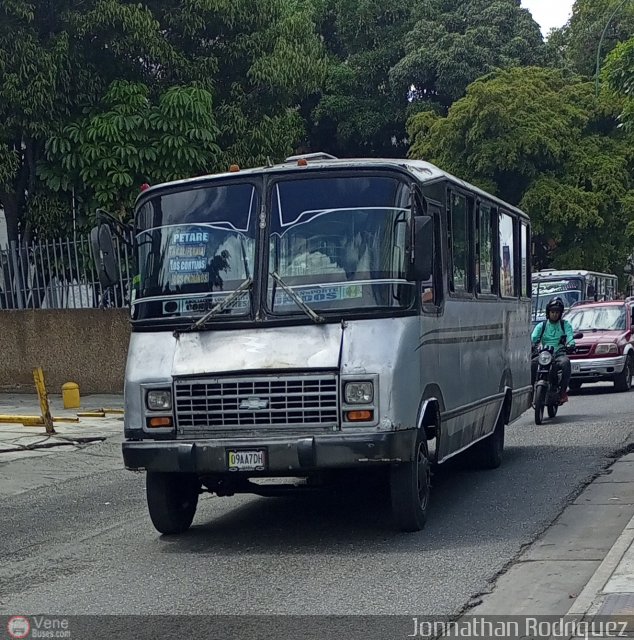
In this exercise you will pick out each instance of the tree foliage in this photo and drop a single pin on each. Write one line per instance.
(541, 140)
(619, 78)
(454, 42)
(360, 111)
(127, 140)
(582, 35)
(74, 75)
(388, 59)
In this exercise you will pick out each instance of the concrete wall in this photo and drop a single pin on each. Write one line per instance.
(86, 346)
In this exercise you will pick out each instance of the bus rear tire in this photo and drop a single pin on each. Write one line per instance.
(410, 489)
(172, 499)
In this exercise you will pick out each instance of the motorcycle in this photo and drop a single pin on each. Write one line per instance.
(548, 380)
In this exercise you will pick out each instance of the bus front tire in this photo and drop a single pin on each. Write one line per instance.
(172, 499)
(410, 488)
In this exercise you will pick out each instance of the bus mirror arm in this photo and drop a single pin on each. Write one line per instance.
(422, 258)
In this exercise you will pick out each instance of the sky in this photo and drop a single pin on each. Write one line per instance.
(549, 13)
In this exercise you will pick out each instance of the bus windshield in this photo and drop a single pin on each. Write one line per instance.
(569, 290)
(196, 246)
(340, 243)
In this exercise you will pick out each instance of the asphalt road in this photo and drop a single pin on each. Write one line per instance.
(86, 545)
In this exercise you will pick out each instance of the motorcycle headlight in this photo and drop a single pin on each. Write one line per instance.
(545, 358)
(607, 347)
(159, 400)
(359, 392)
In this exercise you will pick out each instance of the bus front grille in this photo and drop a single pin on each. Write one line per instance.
(264, 401)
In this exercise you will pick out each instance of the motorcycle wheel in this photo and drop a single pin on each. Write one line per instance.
(540, 397)
(552, 410)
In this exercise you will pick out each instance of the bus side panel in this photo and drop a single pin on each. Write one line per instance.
(484, 349)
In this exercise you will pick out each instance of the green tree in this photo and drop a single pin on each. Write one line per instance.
(54, 59)
(456, 41)
(541, 140)
(360, 111)
(619, 78)
(258, 65)
(62, 63)
(587, 23)
(127, 140)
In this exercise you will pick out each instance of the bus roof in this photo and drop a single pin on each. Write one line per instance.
(423, 171)
(545, 274)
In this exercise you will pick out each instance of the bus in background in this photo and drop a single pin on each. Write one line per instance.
(572, 286)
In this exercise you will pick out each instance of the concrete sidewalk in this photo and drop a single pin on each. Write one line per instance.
(18, 441)
(582, 564)
(610, 591)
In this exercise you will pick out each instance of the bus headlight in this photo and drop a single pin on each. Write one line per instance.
(359, 392)
(545, 358)
(159, 400)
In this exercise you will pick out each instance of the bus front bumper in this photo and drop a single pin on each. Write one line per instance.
(281, 455)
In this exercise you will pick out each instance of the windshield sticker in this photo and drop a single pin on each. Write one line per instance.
(187, 266)
(187, 262)
(320, 294)
(189, 306)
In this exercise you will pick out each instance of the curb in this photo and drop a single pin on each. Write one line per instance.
(604, 571)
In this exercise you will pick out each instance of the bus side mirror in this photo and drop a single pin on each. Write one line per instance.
(422, 260)
(103, 252)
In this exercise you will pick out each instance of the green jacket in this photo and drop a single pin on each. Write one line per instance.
(552, 334)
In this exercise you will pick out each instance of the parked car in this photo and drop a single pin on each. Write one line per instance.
(606, 351)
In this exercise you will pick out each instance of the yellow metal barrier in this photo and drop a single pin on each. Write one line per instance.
(31, 421)
(40, 385)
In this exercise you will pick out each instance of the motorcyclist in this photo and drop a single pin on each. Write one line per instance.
(557, 333)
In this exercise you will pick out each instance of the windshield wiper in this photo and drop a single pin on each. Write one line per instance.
(220, 307)
(315, 317)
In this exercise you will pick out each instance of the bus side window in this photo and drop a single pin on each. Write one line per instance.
(458, 243)
(507, 255)
(484, 251)
(525, 261)
(432, 290)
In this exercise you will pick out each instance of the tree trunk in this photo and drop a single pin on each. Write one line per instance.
(13, 199)
(11, 213)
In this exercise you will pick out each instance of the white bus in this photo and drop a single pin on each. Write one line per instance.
(572, 286)
(316, 316)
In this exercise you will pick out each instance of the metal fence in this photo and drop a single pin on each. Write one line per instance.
(59, 274)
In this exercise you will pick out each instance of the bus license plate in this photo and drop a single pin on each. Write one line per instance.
(246, 459)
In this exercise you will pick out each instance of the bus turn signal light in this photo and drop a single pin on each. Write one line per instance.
(359, 416)
(160, 422)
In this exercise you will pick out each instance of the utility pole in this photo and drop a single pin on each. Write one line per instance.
(607, 24)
